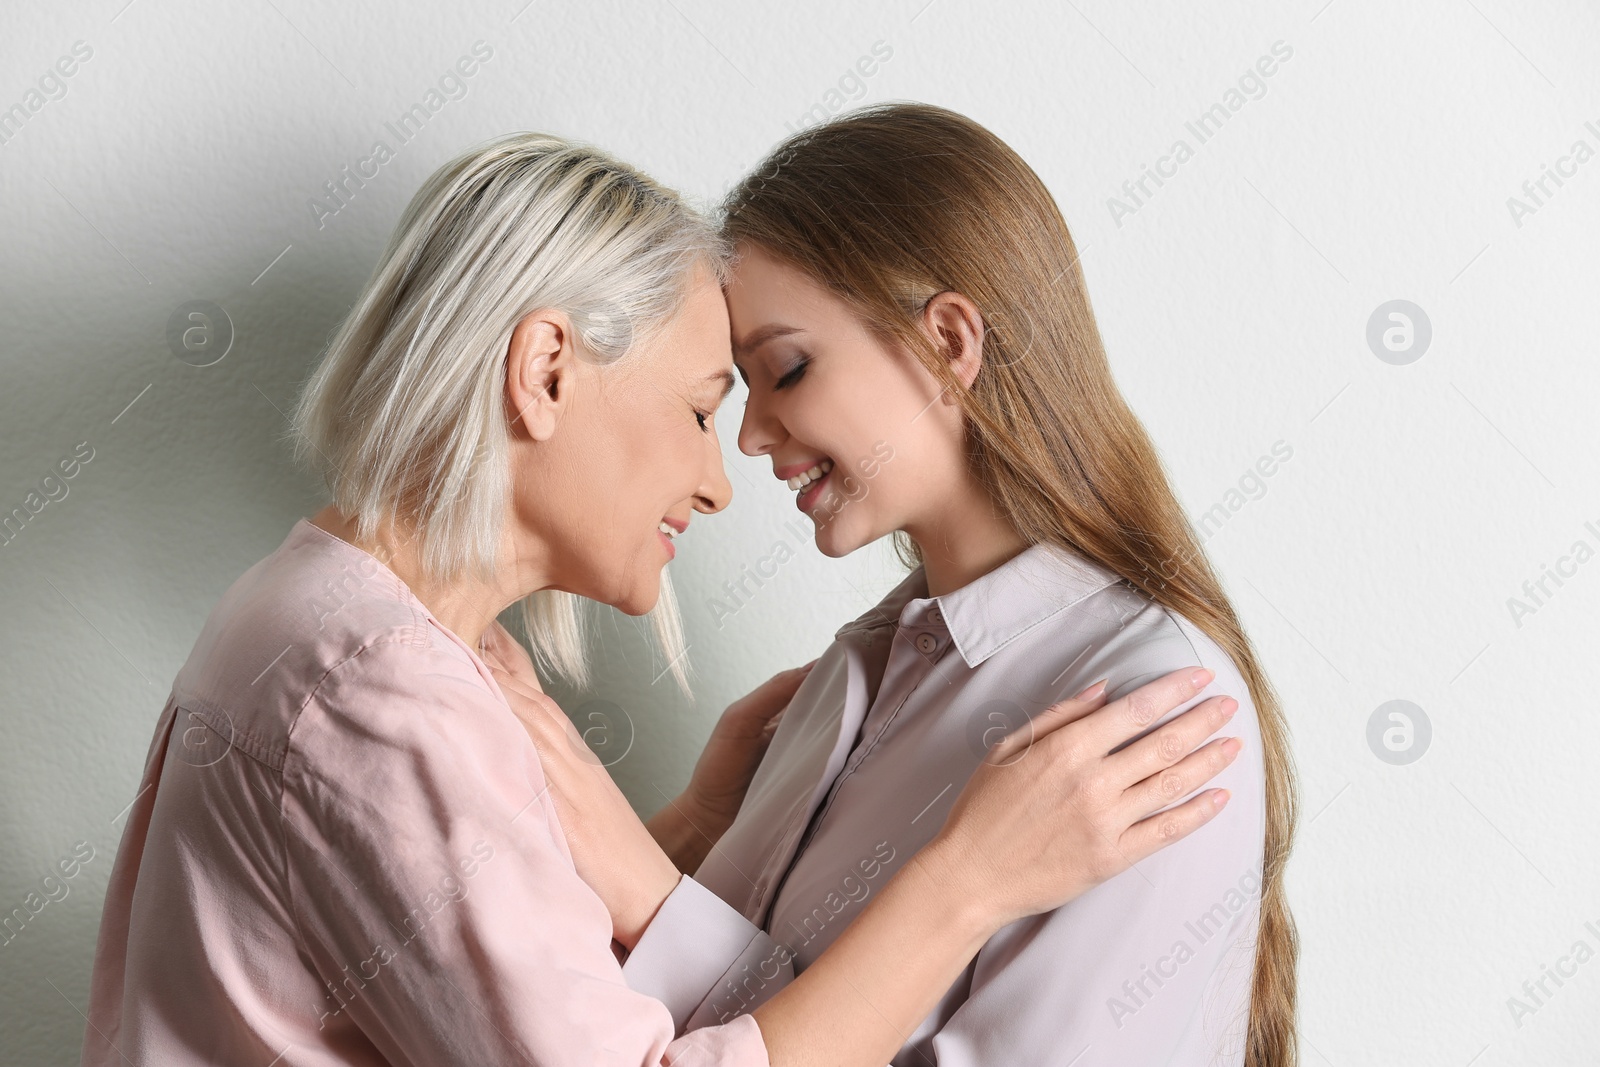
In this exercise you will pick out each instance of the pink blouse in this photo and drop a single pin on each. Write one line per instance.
(341, 852)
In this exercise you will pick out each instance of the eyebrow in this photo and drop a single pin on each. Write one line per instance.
(762, 336)
(723, 376)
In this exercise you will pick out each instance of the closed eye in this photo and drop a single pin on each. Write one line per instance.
(792, 375)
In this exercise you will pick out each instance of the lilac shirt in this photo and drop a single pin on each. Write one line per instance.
(1152, 967)
(342, 852)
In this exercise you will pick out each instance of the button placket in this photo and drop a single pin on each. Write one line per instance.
(903, 672)
(900, 673)
(769, 883)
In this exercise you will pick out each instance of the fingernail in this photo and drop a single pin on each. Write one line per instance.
(1231, 747)
(1200, 678)
(1093, 691)
(1219, 798)
(1229, 706)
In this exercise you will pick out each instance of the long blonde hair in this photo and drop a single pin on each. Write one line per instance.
(404, 417)
(891, 205)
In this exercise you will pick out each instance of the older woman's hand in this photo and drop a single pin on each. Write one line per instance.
(611, 849)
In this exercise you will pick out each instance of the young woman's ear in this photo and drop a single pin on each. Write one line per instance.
(540, 373)
(955, 325)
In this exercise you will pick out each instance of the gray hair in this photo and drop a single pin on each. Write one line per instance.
(405, 414)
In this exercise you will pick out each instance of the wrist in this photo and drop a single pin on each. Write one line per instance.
(686, 832)
(947, 877)
(705, 821)
(653, 893)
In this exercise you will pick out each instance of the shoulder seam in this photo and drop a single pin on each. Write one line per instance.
(416, 638)
(408, 642)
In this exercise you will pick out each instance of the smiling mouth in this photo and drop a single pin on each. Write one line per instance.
(809, 484)
(815, 474)
(666, 531)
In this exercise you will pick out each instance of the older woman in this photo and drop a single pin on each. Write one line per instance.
(345, 848)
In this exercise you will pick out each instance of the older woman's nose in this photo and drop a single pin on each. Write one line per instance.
(715, 491)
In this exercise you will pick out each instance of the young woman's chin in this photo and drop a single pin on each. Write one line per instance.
(831, 544)
(839, 534)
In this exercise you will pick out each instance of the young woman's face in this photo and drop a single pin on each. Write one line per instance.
(829, 398)
(637, 448)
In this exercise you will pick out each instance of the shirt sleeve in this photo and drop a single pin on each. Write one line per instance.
(697, 947)
(1152, 966)
(434, 891)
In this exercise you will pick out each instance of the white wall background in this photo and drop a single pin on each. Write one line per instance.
(1376, 566)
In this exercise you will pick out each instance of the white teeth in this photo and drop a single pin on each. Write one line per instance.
(805, 478)
(667, 529)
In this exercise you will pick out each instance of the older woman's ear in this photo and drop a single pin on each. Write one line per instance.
(540, 372)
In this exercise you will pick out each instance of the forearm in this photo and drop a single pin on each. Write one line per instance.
(860, 1000)
(685, 834)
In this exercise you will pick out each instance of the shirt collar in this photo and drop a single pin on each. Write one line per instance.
(995, 609)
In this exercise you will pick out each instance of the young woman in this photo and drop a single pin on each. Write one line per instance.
(909, 315)
(345, 849)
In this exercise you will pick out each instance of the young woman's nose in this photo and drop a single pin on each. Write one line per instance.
(759, 431)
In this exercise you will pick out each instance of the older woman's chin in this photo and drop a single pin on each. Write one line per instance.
(640, 599)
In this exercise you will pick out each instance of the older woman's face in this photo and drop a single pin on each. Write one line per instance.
(634, 449)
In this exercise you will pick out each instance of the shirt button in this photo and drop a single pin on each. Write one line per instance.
(926, 643)
(934, 616)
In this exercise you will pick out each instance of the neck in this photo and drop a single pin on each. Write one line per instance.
(967, 539)
(466, 604)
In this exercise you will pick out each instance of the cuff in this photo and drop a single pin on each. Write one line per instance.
(694, 939)
(737, 1043)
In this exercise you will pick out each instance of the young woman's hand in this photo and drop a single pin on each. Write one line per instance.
(698, 817)
(611, 849)
(1052, 811)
